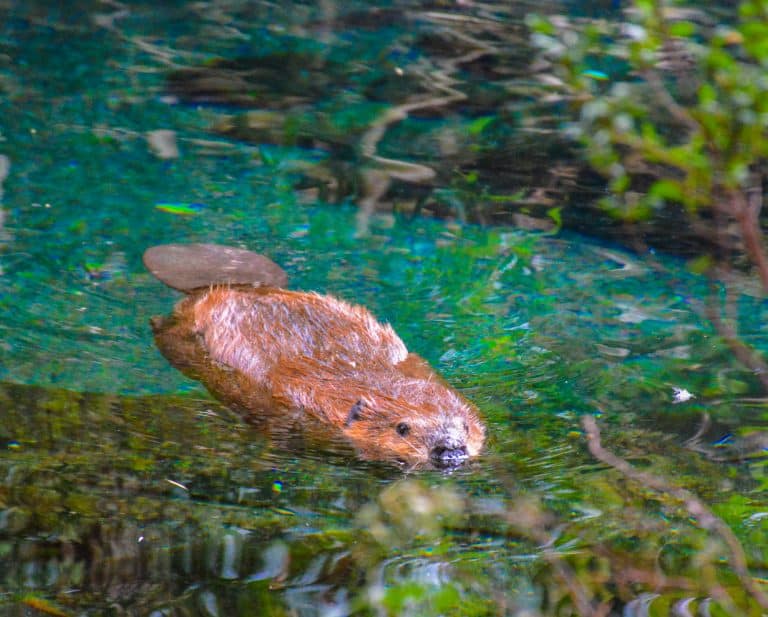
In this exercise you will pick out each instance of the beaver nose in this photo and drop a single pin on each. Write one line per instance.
(445, 457)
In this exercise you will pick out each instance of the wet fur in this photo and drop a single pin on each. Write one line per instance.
(277, 354)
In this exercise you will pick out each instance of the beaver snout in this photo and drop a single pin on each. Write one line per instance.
(448, 456)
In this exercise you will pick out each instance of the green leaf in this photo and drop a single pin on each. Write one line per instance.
(701, 264)
(477, 126)
(556, 214)
(620, 184)
(720, 59)
(537, 23)
(667, 189)
(707, 95)
(756, 39)
(682, 29)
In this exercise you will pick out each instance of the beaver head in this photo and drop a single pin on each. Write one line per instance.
(442, 432)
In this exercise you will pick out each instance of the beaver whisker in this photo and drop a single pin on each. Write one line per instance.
(413, 446)
(413, 467)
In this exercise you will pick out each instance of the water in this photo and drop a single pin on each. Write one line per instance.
(126, 488)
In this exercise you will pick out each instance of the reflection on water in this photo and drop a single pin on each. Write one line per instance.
(124, 487)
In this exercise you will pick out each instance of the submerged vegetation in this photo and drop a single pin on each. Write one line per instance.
(673, 109)
(626, 469)
(158, 504)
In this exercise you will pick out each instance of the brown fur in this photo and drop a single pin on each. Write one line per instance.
(275, 353)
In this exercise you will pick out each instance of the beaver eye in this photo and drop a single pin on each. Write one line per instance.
(403, 429)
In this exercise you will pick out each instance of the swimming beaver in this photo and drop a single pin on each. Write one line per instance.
(265, 350)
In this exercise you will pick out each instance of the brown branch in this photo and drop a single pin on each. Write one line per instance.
(742, 352)
(584, 606)
(695, 507)
(533, 523)
(746, 211)
(677, 111)
(656, 83)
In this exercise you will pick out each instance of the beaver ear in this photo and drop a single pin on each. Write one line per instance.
(355, 412)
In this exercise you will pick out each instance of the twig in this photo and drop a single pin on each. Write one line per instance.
(746, 211)
(695, 507)
(743, 352)
(677, 111)
(442, 83)
(535, 527)
(694, 440)
(584, 606)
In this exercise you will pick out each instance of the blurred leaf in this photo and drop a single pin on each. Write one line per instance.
(667, 189)
(682, 29)
(556, 214)
(477, 126)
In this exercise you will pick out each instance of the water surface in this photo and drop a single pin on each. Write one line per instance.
(126, 488)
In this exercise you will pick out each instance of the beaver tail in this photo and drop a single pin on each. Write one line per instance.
(187, 267)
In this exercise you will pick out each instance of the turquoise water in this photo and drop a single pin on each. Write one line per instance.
(124, 485)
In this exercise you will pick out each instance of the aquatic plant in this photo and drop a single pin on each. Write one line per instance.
(673, 108)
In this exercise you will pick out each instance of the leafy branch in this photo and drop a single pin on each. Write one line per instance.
(671, 96)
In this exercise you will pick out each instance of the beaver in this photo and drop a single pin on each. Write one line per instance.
(267, 351)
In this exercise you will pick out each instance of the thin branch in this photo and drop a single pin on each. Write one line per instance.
(695, 507)
(677, 111)
(741, 351)
(746, 211)
(584, 606)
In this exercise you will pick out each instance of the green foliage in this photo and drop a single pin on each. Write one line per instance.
(685, 103)
(419, 599)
